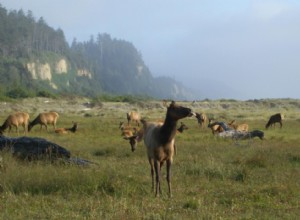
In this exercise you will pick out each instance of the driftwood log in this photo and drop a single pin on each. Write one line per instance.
(33, 148)
(242, 135)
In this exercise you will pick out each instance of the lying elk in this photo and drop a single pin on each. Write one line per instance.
(277, 118)
(66, 130)
(238, 127)
(215, 126)
(44, 119)
(17, 119)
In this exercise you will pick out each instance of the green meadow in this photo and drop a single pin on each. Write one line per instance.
(212, 178)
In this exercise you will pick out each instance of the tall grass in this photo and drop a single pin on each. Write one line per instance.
(212, 178)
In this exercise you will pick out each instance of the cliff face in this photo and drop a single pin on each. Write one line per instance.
(46, 71)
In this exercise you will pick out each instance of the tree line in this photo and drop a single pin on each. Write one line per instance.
(116, 65)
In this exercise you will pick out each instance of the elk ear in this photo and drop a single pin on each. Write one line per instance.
(172, 104)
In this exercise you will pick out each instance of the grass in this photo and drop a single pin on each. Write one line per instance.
(211, 178)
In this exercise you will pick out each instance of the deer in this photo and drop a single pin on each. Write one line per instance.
(238, 127)
(277, 118)
(16, 119)
(159, 140)
(73, 129)
(202, 119)
(133, 116)
(45, 119)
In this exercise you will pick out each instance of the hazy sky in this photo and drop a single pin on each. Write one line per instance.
(240, 49)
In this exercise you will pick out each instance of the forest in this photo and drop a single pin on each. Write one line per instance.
(115, 66)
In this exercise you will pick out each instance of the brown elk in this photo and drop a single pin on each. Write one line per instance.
(238, 127)
(215, 127)
(133, 116)
(202, 119)
(17, 119)
(159, 140)
(277, 118)
(182, 128)
(67, 130)
(137, 136)
(126, 130)
(45, 119)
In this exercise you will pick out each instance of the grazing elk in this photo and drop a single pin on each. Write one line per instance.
(277, 118)
(133, 116)
(135, 138)
(44, 119)
(202, 119)
(159, 140)
(127, 131)
(73, 129)
(17, 119)
(238, 127)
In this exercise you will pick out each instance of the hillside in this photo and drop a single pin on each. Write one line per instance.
(36, 60)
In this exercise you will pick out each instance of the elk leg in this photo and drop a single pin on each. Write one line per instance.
(157, 172)
(152, 173)
(169, 163)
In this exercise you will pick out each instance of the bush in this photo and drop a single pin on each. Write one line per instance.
(45, 94)
(17, 93)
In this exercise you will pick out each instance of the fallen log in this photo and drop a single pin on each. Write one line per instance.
(242, 135)
(32, 148)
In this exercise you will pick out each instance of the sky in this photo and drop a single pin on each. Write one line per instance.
(221, 49)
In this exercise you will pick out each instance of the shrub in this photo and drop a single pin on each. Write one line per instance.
(17, 93)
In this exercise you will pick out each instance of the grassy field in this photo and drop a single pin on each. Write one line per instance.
(212, 178)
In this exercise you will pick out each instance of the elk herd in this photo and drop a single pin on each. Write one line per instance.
(158, 136)
(43, 119)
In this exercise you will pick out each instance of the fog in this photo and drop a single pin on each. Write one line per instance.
(235, 49)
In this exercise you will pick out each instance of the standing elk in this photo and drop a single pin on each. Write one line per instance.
(44, 119)
(277, 118)
(137, 135)
(133, 116)
(17, 119)
(202, 119)
(159, 140)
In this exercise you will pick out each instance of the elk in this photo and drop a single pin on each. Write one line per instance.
(277, 118)
(159, 140)
(133, 116)
(67, 130)
(238, 127)
(202, 119)
(137, 136)
(44, 119)
(215, 127)
(17, 119)
(182, 128)
(127, 131)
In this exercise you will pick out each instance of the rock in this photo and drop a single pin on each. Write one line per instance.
(33, 148)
